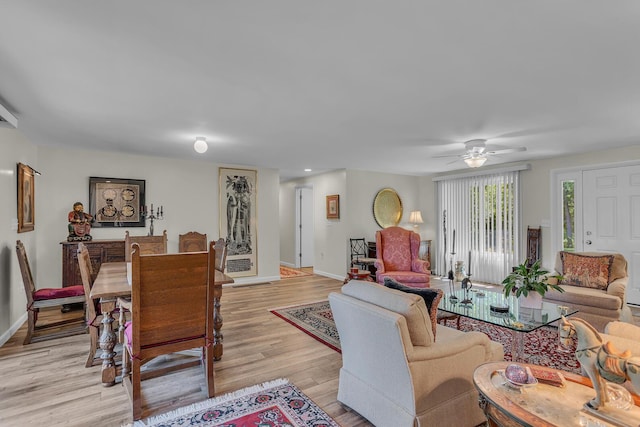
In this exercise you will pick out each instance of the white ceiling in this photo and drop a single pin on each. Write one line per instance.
(292, 84)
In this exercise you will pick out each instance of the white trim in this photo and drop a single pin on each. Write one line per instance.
(515, 168)
(13, 329)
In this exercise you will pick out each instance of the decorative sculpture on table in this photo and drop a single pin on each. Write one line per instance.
(79, 224)
(601, 361)
(467, 285)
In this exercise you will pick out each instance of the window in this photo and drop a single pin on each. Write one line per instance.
(568, 215)
(480, 219)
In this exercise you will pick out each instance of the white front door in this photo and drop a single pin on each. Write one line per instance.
(611, 213)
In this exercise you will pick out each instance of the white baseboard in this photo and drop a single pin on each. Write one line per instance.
(13, 329)
(287, 264)
(329, 275)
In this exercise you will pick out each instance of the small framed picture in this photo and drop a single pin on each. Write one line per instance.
(333, 206)
(26, 199)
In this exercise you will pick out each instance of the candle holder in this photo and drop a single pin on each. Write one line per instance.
(452, 287)
(150, 215)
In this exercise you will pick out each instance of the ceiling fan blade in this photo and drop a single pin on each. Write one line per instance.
(444, 156)
(507, 150)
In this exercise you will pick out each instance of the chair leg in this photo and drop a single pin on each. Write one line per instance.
(136, 392)
(93, 346)
(31, 326)
(208, 371)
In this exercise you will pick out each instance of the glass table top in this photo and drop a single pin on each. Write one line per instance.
(516, 318)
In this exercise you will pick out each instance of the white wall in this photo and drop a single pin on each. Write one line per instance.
(287, 236)
(14, 148)
(356, 189)
(188, 190)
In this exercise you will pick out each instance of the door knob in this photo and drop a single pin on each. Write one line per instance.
(588, 242)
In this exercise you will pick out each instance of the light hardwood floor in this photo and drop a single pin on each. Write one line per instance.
(46, 383)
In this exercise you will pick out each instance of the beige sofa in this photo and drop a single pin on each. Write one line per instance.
(596, 306)
(393, 372)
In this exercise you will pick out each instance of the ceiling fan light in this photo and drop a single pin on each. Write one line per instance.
(200, 146)
(475, 162)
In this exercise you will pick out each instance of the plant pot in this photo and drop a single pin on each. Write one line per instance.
(533, 300)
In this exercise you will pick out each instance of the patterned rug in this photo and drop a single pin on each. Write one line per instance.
(288, 273)
(274, 404)
(540, 346)
(315, 319)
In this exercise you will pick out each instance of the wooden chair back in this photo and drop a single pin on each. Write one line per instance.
(192, 242)
(86, 273)
(172, 309)
(25, 270)
(148, 244)
(220, 247)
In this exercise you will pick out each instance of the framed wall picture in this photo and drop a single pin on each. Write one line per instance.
(116, 202)
(26, 199)
(333, 206)
(238, 207)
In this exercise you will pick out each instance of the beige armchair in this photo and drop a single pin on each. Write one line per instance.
(597, 292)
(393, 372)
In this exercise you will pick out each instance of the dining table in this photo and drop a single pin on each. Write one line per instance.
(112, 283)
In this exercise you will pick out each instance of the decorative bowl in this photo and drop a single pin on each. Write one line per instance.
(519, 376)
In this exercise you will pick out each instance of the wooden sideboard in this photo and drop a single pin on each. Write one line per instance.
(99, 250)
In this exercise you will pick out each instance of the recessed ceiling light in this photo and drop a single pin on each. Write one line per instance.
(307, 170)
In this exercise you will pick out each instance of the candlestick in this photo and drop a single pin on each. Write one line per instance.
(469, 266)
(453, 243)
(152, 216)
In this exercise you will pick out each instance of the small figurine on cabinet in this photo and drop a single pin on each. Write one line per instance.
(79, 224)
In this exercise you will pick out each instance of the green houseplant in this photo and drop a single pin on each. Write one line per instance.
(525, 279)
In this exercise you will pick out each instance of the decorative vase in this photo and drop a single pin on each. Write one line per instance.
(460, 273)
(533, 300)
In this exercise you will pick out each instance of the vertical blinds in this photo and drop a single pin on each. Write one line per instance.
(481, 214)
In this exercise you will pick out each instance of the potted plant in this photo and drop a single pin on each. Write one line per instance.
(534, 280)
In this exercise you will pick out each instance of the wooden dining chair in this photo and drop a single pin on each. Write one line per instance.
(148, 244)
(93, 317)
(172, 311)
(47, 297)
(192, 242)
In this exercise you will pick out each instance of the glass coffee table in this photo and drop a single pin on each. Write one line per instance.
(494, 308)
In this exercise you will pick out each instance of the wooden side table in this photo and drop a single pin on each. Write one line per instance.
(359, 275)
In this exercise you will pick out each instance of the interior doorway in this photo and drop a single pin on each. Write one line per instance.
(304, 227)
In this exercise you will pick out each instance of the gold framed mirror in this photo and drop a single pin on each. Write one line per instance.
(387, 208)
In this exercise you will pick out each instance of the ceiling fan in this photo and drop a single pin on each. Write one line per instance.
(477, 152)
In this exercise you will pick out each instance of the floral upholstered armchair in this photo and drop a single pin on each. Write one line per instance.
(397, 258)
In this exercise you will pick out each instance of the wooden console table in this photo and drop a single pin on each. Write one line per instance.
(100, 251)
(541, 405)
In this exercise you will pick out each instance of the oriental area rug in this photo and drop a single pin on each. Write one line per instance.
(540, 346)
(277, 403)
(288, 273)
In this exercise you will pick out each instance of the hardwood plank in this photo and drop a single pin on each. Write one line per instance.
(48, 380)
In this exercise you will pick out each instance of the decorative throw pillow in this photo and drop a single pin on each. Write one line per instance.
(431, 298)
(587, 271)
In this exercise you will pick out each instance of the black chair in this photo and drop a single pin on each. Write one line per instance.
(360, 254)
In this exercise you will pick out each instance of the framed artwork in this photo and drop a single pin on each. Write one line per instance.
(116, 202)
(238, 195)
(26, 199)
(333, 206)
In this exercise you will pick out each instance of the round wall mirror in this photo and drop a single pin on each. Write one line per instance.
(387, 208)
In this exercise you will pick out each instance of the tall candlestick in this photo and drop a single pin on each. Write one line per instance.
(453, 243)
(469, 266)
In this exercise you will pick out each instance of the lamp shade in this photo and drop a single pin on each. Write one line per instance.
(475, 162)
(200, 145)
(415, 217)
